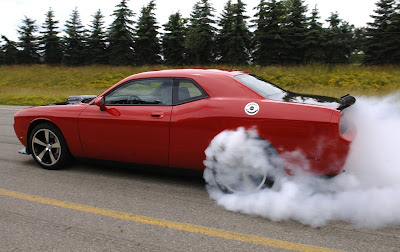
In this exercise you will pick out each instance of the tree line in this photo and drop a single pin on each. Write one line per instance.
(280, 32)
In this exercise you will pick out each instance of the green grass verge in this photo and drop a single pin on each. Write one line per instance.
(41, 84)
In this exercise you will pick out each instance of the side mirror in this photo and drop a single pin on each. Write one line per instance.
(101, 102)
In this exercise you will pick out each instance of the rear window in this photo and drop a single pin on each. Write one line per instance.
(259, 85)
(187, 91)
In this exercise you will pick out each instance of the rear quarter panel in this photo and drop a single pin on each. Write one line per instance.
(288, 126)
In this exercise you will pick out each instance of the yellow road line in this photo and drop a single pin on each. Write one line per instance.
(170, 224)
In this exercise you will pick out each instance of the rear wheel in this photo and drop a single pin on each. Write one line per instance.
(242, 180)
(243, 173)
(48, 147)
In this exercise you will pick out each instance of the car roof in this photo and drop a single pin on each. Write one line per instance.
(187, 73)
(215, 82)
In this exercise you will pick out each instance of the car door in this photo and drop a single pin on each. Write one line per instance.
(134, 127)
(192, 128)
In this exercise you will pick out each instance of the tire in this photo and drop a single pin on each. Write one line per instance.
(238, 178)
(48, 147)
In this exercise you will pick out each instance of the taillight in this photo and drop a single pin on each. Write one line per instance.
(343, 123)
(347, 127)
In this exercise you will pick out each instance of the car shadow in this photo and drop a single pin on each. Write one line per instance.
(185, 177)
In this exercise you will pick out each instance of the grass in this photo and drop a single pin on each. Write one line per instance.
(41, 84)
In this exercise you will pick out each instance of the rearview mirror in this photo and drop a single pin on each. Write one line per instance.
(101, 102)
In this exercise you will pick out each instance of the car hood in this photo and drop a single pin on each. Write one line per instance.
(75, 99)
(319, 100)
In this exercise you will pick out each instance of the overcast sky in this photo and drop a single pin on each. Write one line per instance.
(355, 12)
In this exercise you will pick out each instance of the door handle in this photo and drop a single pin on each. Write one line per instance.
(157, 114)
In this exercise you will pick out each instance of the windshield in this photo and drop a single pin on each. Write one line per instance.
(259, 85)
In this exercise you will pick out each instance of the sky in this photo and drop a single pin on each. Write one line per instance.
(12, 12)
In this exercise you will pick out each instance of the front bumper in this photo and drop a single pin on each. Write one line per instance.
(24, 151)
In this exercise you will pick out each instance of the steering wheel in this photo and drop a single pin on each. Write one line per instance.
(133, 99)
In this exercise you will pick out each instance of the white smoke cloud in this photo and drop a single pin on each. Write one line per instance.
(367, 194)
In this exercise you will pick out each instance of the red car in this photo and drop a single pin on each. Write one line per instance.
(168, 118)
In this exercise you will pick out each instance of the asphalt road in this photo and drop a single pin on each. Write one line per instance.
(103, 207)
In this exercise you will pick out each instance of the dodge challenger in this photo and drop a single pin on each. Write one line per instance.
(168, 118)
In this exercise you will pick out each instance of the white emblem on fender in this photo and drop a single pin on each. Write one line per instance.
(252, 108)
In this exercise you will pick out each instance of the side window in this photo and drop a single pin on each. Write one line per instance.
(142, 92)
(187, 90)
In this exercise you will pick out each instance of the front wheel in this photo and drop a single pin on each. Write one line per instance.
(48, 147)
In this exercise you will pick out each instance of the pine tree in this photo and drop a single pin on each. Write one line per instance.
(173, 46)
(393, 44)
(28, 42)
(295, 31)
(120, 49)
(147, 46)
(51, 44)
(242, 35)
(314, 39)
(233, 39)
(75, 47)
(379, 35)
(269, 45)
(358, 55)
(2, 56)
(339, 40)
(97, 41)
(11, 51)
(260, 54)
(224, 33)
(201, 34)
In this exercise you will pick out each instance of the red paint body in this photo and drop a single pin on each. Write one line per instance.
(177, 135)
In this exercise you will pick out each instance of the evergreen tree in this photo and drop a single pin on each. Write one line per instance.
(75, 47)
(339, 40)
(120, 49)
(314, 39)
(234, 37)
(357, 55)
(97, 41)
(393, 44)
(378, 36)
(51, 44)
(242, 35)
(269, 45)
(173, 46)
(11, 51)
(259, 53)
(201, 34)
(224, 33)
(28, 42)
(2, 57)
(295, 31)
(147, 46)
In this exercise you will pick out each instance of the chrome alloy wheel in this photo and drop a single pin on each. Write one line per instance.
(46, 147)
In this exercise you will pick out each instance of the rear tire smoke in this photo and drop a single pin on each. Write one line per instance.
(240, 161)
(367, 195)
